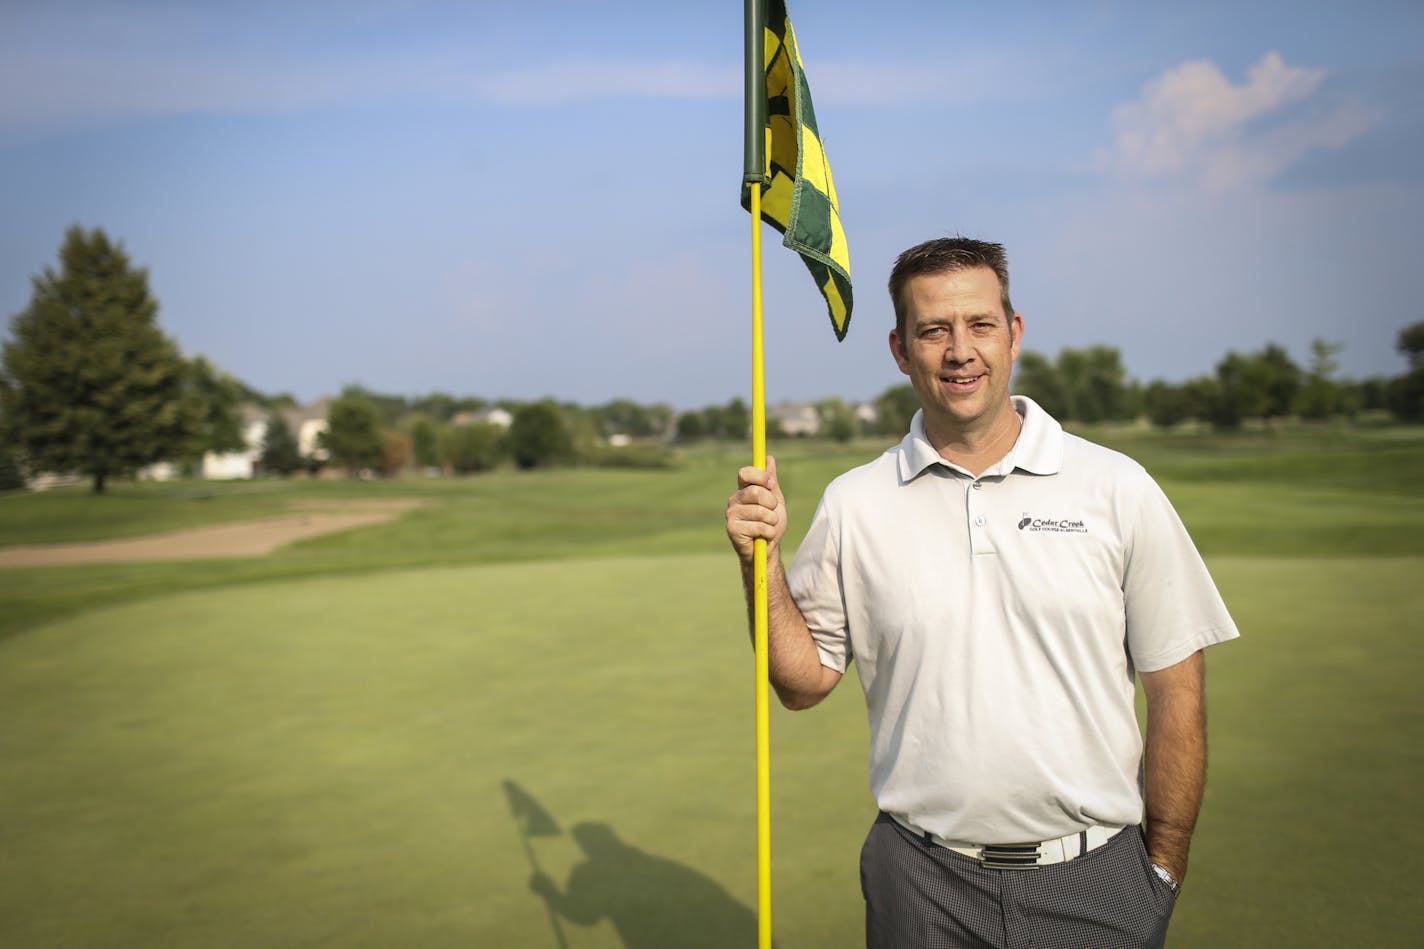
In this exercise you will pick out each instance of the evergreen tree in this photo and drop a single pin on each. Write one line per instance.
(280, 452)
(12, 473)
(92, 384)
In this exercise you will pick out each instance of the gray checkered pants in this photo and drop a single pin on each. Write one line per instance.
(920, 896)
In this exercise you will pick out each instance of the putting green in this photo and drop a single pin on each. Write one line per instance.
(325, 763)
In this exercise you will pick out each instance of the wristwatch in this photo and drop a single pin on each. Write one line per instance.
(1166, 877)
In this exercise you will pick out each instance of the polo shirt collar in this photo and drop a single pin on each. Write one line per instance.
(1038, 449)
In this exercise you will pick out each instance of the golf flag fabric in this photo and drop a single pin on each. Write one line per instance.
(798, 195)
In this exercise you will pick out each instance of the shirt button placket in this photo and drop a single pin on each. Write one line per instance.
(978, 536)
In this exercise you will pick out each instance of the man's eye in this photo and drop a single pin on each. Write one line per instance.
(934, 332)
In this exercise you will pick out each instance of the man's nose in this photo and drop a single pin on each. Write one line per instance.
(958, 349)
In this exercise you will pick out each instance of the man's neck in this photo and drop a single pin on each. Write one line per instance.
(976, 451)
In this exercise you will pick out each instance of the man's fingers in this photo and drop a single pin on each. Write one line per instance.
(760, 513)
(766, 477)
(756, 510)
(756, 495)
(750, 475)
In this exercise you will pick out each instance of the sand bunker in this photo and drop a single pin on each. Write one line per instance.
(255, 538)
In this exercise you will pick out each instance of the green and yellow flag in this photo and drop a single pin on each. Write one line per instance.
(798, 195)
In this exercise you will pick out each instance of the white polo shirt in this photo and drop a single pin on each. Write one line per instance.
(996, 623)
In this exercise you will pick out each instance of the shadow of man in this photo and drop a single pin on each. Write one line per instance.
(653, 902)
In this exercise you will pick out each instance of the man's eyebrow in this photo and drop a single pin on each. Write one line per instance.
(946, 320)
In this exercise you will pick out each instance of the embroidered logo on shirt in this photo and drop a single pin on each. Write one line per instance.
(1052, 524)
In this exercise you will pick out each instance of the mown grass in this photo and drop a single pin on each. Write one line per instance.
(322, 762)
(310, 748)
(1383, 462)
(1299, 493)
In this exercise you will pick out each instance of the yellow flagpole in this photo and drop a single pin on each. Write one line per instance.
(759, 605)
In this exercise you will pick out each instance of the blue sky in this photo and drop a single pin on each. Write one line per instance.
(517, 200)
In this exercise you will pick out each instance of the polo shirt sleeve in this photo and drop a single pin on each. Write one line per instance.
(1173, 607)
(815, 583)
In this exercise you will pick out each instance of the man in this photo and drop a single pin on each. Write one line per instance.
(998, 583)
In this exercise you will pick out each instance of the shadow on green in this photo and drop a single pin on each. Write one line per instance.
(652, 901)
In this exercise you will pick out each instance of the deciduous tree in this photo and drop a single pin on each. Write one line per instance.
(1411, 345)
(736, 421)
(1406, 393)
(1256, 385)
(424, 440)
(1166, 404)
(1037, 378)
(838, 421)
(395, 452)
(1319, 395)
(894, 408)
(353, 435)
(211, 399)
(538, 436)
(477, 447)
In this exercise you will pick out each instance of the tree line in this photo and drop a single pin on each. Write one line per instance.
(384, 434)
(1090, 385)
(89, 383)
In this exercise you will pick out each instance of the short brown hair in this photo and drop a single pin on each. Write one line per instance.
(947, 255)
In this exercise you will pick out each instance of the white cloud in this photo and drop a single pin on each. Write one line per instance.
(1192, 121)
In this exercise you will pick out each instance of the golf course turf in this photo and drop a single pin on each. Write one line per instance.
(317, 748)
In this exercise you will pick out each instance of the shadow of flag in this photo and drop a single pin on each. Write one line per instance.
(529, 814)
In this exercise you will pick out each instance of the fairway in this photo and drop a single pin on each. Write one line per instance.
(322, 763)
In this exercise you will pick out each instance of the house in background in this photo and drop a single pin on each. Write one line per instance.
(796, 418)
(227, 466)
(305, 423)
(308, 424)
(493, 415)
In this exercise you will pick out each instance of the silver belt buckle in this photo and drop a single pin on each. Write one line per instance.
(1010, 857)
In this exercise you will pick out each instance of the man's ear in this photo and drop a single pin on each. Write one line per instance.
(897, 349)
(1016, 328)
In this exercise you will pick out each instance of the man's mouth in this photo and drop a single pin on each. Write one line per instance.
(962, 383)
